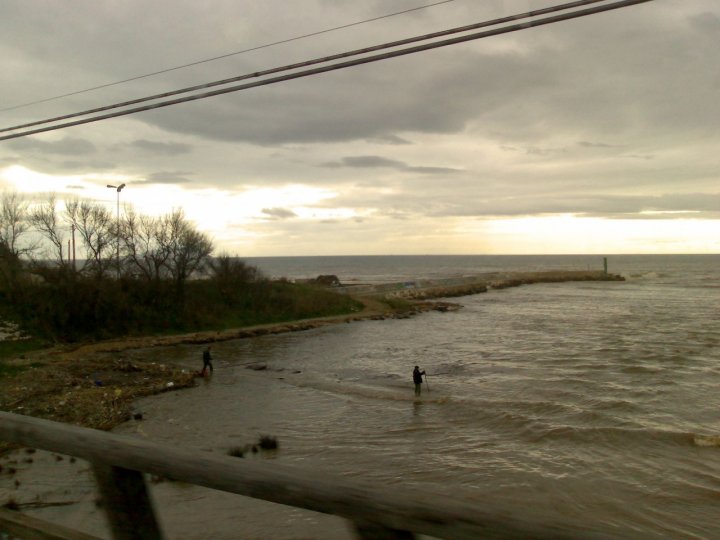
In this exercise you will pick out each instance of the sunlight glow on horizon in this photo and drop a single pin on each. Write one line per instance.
(568, 234)
(230, 219)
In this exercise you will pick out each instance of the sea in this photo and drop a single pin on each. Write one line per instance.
(591, 405)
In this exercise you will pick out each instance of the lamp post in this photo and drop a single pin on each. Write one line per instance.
(117, 230)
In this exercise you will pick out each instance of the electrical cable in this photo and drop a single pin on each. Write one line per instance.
(251, 49)
(425, 37)
(337, 66)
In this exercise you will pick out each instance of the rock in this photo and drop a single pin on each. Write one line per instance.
(268, 443)
(329, 280)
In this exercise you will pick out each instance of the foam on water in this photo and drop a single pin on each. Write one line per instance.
(706, 440)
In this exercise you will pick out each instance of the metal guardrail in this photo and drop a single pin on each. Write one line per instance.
(119, 461)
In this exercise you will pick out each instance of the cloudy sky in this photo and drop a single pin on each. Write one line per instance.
(595, 135)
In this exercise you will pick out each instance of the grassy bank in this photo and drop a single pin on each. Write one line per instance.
(17, 349)
(69, 308)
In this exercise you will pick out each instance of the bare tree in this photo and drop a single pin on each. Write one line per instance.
(96, 227)
(13, 225)
(46, 220)
(13, 222)
(231, 276)
(189, 248)
(229, 269)
(145, 245)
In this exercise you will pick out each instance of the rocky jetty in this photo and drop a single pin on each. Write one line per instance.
(453, 287)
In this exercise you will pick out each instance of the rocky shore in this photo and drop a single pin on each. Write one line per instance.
(92, 386)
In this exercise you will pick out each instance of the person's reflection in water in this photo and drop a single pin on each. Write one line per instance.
(417, 405)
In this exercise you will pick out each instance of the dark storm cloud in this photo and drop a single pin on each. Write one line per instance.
(278, 213)
(588, 144)
(165, 148)
(81, 166)
(432, 170)
(335, 108)
(389, 139)
(369, 162)
(365, 162)
(65, 155)
(67, 146)
(511, 94)
(671, 206)
(639, 156)
(441, 202)
(167, 177)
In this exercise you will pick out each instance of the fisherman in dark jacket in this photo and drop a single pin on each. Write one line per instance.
(207, 362)
(417, 379)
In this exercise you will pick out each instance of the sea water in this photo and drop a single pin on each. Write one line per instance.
(593, 404)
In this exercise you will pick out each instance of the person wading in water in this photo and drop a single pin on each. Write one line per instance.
(417, 379)
(207, 362)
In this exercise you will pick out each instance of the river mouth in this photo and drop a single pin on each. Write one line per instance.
(591, 403)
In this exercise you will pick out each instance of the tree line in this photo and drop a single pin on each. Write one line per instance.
(135, 246)
(135, 274)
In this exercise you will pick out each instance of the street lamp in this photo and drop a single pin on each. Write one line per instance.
(117, 230)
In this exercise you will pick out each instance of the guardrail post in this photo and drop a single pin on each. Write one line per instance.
(126, 503)
(366, 530)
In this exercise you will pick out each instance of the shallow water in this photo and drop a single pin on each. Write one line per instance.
(590, 403)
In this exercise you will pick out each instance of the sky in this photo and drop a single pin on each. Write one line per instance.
(597, 135)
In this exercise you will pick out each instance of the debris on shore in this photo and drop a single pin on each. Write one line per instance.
(91, 391)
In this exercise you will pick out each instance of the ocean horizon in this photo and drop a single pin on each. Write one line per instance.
(391, 268)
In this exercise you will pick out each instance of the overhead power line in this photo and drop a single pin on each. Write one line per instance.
(356, 52)
(331, 67)
(206, 60)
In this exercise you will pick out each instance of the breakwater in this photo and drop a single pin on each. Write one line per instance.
(466, 285)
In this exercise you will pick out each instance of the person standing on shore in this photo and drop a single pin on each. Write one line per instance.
(417, 379)
(207, 361)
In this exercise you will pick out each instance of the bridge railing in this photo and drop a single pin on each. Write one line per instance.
(119, 461)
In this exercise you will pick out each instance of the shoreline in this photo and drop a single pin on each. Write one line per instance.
(84, 385)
